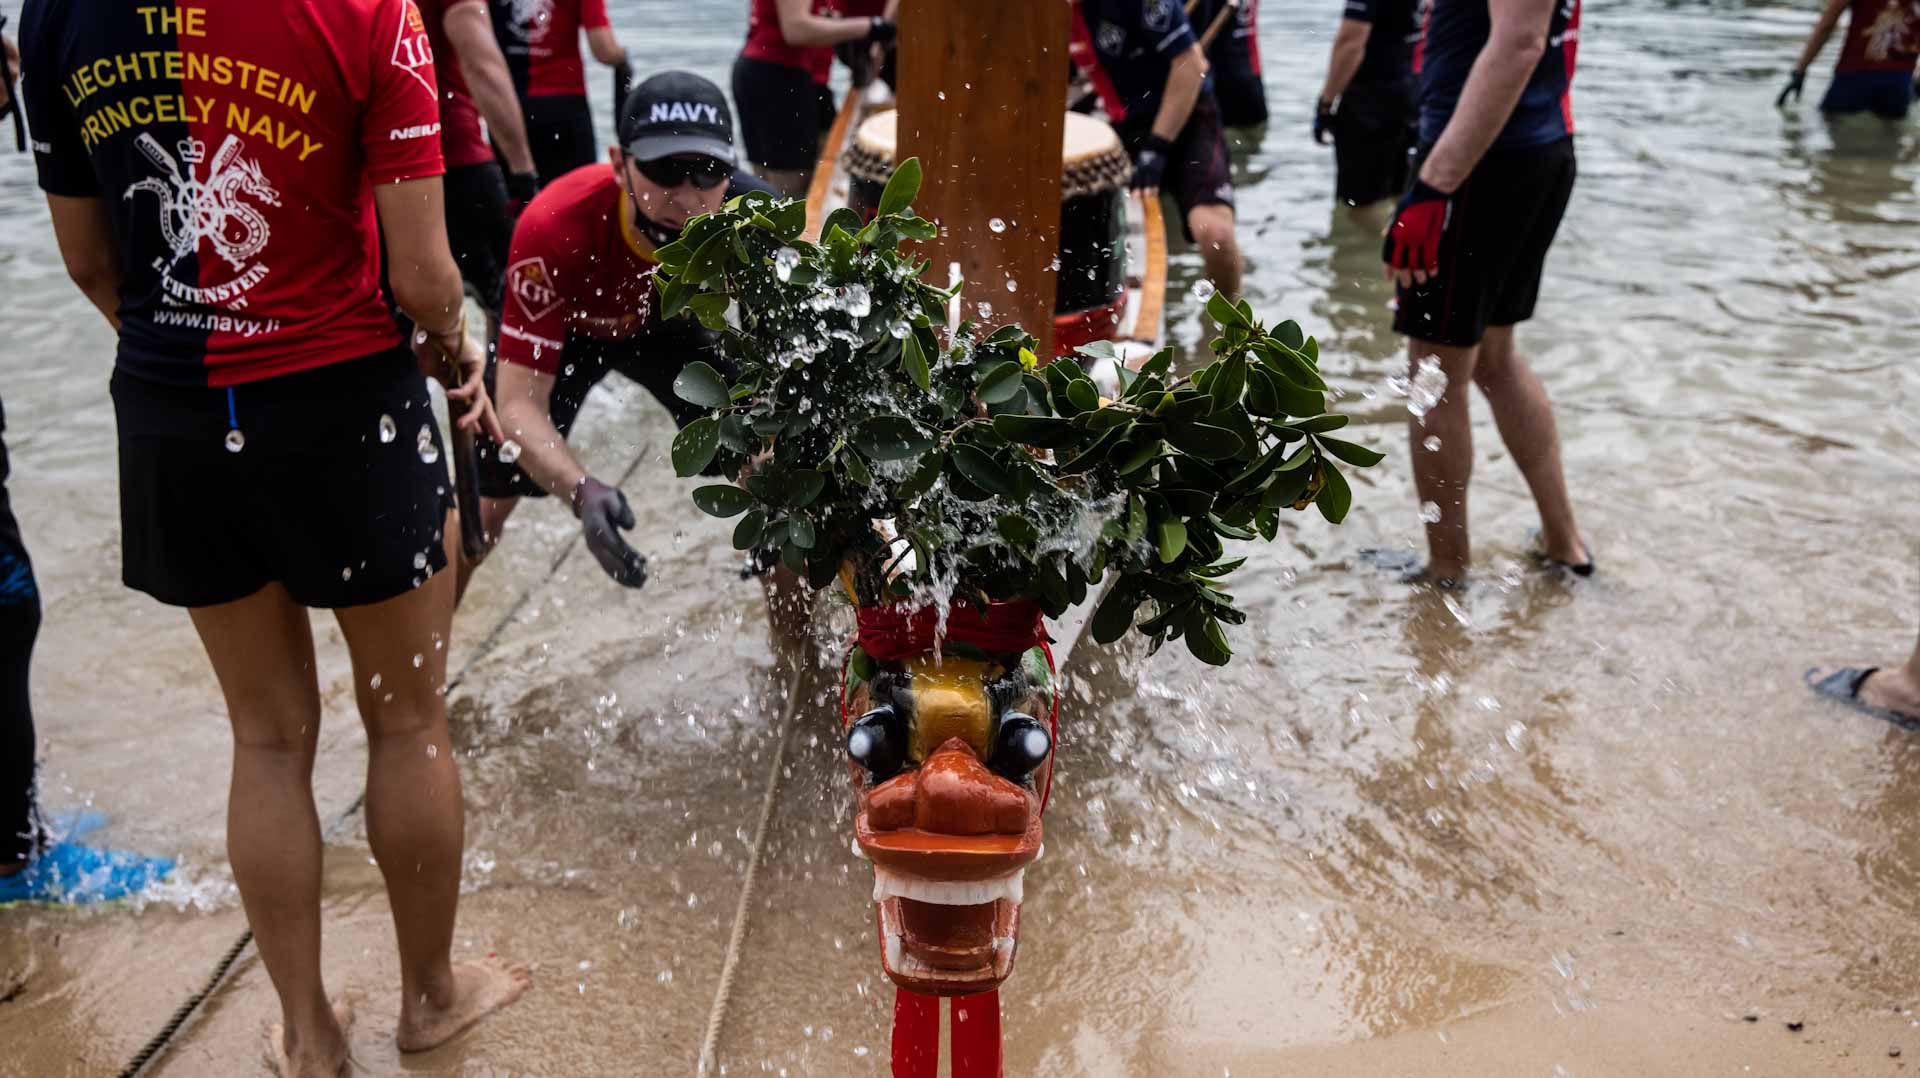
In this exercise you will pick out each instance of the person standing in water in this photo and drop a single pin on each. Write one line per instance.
(1235, 57)
(1466, 247)
(1891, 693)
(1875, 70)
(780, 83)
(1151, 76)
(212, 174)
(1367, 102)
(541, 39)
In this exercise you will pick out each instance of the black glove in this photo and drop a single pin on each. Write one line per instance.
(1151, 162)
(521, 187)
(622, 85)
(882, 31)
(1322, 120)
(1795, 83)
(603, 511)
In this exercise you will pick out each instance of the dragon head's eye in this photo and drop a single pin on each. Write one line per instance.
(1020, 746)
(877, 741)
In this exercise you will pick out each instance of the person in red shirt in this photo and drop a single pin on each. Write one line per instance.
(581, 303)
(212, 174)
(541, 39)
(481, 199)
(1875, 70)
(780, 83)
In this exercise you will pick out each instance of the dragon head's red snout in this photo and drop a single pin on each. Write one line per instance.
(949, 765)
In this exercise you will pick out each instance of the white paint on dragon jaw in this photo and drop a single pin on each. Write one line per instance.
(889, 884)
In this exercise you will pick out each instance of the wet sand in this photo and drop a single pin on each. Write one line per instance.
(1585, 826)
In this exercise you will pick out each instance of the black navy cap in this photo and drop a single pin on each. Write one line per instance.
(677, 112)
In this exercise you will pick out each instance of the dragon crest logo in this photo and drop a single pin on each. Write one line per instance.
(209, 209)
(530, 19)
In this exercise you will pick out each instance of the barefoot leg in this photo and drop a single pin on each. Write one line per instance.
(1440, 475)
(415, 820)
(262, 651)
(480, 988)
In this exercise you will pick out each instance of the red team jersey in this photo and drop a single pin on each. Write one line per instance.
(766, 42)
(235, 147)
(577, 268)
(463, 141)
(1882, 35)
(541, 39)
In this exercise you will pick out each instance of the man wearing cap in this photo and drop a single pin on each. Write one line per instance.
(581, 302)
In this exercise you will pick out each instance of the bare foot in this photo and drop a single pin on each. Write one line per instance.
(479, 989)
(318, 1062)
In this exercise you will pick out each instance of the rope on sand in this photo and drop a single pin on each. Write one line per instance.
(160, 1040)
(716, 1016)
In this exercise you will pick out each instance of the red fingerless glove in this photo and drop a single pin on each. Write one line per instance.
(1413, 239)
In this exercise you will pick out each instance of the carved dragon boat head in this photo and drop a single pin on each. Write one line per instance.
(951, 756)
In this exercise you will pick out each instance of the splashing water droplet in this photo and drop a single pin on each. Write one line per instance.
(429, 452)
(388, 429)
(1203, 290)
(941, 94)
(1423, 389)
(858, 300)
(784, 260)
(1013, 285)
(373, 682)
(997, 225)
(1432, 444)
(433, 751)
(418, 660)
(509, 451)
(420, 559)
(1430, 512)
(347, 573)
(899, 330)
(985, 309)
(236, 441)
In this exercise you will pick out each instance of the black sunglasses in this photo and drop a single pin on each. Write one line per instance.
(706, 173)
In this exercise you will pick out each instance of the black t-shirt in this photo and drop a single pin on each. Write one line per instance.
(1127, 47)
(1396, 30)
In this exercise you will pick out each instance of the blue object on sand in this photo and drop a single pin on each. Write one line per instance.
(1844, 685)
(68, 873)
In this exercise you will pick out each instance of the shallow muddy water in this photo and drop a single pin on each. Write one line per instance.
(1589, 826)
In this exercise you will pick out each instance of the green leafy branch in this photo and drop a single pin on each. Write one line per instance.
(1004, 478)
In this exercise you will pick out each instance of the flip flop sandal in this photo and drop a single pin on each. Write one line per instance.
(1844, 684)
(1541, 559)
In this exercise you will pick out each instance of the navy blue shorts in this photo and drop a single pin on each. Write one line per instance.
(1886, 94)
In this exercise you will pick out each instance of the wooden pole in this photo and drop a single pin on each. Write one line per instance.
(983, 86)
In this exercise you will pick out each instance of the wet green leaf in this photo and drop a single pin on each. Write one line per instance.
(1017, 530)
(922, 478)
(999, 384)
(1172, 539)
(983, 471)
(1357, 455)
(1229, 383)
(1224, 313)
(1042, 431)
(722, 500)
(902, 187)
(889, 437)
(694, 447)
(914, 361)
(1290, 334)
(747, 532)
(1209, 644)
(1205, 441)
(1335, 497)
(802, 487)
(698, 383)
(801, 529)
(1319, 423)
(857, 469)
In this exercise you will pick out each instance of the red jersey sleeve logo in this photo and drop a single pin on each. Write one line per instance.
(532, 288)
(413, 49)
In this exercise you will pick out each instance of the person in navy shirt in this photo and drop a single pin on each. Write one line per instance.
(1147, 67)
(1367, 102)
(1234, 54)
(1466, 245)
